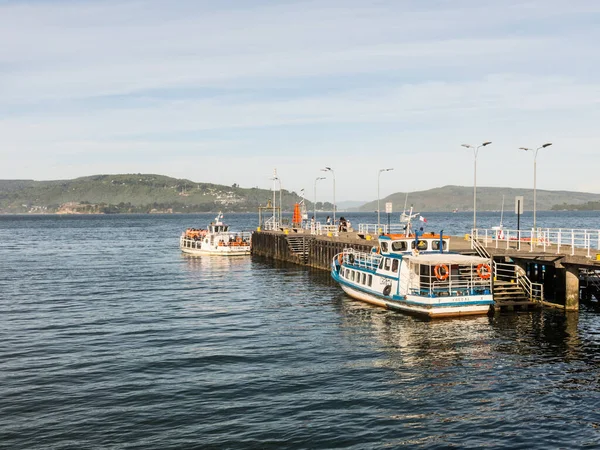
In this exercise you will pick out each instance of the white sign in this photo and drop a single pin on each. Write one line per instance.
(388, 207)
(519, 204)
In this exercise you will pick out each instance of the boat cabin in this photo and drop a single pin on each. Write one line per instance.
(218, 228)
(401, 243)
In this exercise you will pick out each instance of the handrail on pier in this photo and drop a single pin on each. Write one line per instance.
(555, 240)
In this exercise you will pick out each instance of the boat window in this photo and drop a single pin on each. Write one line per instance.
(342, 271)
(399, 246)
(353, 272)
(381, 263)
(435, 245)
(364, 278)
(395, 265)
(384, 246)
(421, 245)
(387, 263)
(370, 279)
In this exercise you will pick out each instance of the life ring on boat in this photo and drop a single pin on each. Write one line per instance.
(484, 271)
(340, 258)
(387, 289)
(441, 272)
(351, 258)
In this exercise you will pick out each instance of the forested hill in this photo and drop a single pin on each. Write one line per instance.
(588, 206)
(131, 193)
(142, 193)
(448, 198)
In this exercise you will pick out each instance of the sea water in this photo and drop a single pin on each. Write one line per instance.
(110, 337)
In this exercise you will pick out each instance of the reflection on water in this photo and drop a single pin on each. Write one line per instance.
(205, 264)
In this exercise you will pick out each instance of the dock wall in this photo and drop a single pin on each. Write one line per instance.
(305, 249)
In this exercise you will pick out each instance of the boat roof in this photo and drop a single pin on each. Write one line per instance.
(446, 258)
(412, 236)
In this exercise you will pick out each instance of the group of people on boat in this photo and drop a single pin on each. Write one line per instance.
(196, 234)
(234, 241)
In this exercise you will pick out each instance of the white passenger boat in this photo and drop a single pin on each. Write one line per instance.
(416, 274)
(217, 239)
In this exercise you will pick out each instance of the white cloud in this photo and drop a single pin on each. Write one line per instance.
(90, 87)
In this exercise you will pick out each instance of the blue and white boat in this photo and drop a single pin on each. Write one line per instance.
(416, 274)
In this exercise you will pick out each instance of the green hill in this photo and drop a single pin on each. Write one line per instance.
(142, 193)
(448, 198)
(133, 193)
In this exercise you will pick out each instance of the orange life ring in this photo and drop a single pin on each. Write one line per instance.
(484, 271)
(441, 272)
(340, 258)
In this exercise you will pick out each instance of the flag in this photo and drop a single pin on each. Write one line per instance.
(422, 219)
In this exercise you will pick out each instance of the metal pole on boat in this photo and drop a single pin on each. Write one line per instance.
(535, 152)
(378, 197)
(475, 152)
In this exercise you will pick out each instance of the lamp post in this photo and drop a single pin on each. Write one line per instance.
(280, 203)
(329, 169)
(315, 205)
(535, 152)
(276, 178)
(378, 208)
(274, 202)
(475, 152)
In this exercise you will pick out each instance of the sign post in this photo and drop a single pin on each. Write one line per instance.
(388, 210)
(518, 212)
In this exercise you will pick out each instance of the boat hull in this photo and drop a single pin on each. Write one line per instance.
(198, 248)
(200, 252)
(411, 308)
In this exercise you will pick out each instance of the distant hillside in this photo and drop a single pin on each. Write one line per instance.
(448, 198)
(133, 193)
(588, 206)
(351, 205)
(143, 193)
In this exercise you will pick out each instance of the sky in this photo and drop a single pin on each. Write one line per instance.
(225, 92)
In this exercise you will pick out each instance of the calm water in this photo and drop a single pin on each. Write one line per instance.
(110, 338)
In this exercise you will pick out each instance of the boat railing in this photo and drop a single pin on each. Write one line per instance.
(554, 240)
(237, 239)
(452, 287)
(361, 259)
(463, 280)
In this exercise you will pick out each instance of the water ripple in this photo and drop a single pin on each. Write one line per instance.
(111, 338)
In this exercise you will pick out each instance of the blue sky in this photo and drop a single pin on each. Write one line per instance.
(227, 91)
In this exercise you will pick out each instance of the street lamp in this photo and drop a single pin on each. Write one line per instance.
(276, 178)
(378, 208)
(315, 205)
(535, 152)
(329, 169)
(475, 152)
